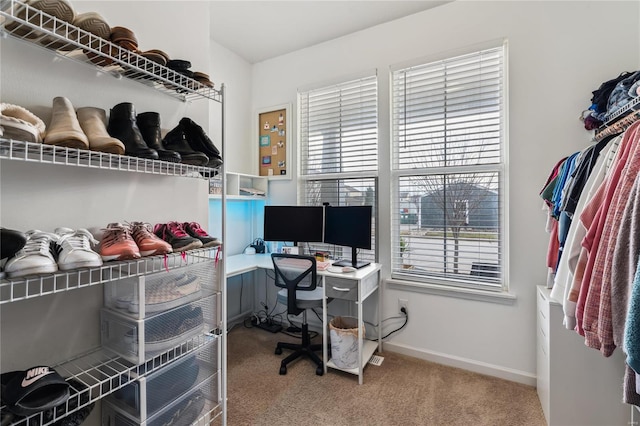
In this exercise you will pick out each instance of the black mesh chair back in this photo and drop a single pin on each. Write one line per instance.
(295, 273)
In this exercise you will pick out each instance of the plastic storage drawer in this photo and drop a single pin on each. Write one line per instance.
(140, 340)
(179, 394)
(139, 297)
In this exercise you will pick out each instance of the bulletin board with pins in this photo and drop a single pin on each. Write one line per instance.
(272, 139)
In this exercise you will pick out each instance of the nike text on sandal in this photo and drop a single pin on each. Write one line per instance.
(34, 390)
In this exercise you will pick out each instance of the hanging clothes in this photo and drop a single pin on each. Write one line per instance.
(631, 345)
(573, 246)
(566, 267)
(598, 302)
(594, 216)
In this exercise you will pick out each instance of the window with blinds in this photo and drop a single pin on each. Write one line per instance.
(448, 171)
(339, 150)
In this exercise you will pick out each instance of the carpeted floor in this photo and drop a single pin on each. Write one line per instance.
(402, 391)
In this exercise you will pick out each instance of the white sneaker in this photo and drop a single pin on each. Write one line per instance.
(74, 249)
(36, 257)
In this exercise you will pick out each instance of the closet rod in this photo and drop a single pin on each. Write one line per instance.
(620, 124)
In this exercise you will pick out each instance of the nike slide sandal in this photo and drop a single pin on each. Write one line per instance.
(34, 390)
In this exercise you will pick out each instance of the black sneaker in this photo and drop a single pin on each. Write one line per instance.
(174, 234)
(11, 242)
(195, 230)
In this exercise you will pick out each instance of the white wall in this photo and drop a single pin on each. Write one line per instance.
(558, 53)
(235, 73)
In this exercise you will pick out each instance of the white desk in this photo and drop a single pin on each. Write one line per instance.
(353, 286)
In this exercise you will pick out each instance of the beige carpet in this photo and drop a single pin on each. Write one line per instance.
(402, 391)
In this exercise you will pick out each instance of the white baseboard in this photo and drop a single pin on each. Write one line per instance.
(237, 319)
(464, 363)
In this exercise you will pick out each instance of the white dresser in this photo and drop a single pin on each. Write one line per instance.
(576, 385)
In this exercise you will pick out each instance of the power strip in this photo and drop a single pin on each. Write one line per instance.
(274, 328)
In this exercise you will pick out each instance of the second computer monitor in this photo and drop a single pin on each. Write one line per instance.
(349, 226)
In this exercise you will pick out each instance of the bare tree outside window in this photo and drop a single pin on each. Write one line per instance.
(447, 164)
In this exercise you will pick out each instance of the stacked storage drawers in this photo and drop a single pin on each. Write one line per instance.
(182, 393)
(169, 312)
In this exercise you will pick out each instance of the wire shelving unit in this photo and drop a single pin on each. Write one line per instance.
(24, 22)
(101, 372)
(41, 153)
(15, 289)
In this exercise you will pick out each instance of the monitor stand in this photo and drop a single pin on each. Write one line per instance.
(353, 262)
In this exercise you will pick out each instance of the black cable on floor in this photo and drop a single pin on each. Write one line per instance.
(406, 320)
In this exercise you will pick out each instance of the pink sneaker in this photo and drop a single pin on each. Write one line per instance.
(174, 234)
(148, 243)
(195, 230)
(117, 244)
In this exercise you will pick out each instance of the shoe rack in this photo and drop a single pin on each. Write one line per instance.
(29, 24)
(103, 371)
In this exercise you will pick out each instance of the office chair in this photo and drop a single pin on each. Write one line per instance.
(297, 276)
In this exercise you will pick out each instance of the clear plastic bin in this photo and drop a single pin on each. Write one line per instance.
(139, 297)
(140, 340)
(178, 394)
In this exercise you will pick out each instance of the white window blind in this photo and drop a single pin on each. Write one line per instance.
(447, 162)
(339, 149)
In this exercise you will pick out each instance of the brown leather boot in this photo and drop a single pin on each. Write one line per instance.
(94, 124)
(64, 129)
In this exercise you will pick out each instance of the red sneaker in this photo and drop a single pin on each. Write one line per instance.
(148, 243)
(117, 244)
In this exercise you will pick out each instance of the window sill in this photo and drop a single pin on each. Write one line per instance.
(504, 298)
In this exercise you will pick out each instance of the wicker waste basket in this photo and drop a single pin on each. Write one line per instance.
(343, 332)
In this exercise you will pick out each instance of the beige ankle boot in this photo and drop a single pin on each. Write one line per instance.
(94, 124)
(64, 129)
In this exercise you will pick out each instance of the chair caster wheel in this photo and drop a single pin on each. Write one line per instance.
(283, 370)
(319, 371)
(279, 352)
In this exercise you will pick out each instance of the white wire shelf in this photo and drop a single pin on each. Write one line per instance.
(36, 27)
(632, 105)
(15, 289)
(41, 153)
(620, 120)
(102, 372)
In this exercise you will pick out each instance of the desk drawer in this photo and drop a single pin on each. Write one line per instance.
(340, 288)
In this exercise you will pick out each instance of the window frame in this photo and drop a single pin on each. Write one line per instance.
(341, 178)
(475, 288)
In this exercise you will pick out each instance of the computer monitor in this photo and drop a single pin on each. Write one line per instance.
(295, 224)
(348, 226)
